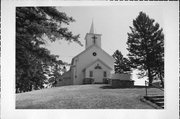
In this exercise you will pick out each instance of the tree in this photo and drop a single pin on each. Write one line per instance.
(34, 26)
(146, 47)
(121, 63)
(54, 73)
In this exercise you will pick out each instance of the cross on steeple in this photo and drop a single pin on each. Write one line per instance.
(94, 39)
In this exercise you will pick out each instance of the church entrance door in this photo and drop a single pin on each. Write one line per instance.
(98, 75)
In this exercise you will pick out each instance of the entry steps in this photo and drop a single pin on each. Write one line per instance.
(157, 100)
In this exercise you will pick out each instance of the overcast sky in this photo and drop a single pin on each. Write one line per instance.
(111, 21)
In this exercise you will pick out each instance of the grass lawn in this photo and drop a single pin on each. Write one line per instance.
(83, 97)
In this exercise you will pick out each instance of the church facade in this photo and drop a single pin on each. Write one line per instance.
(92, 65)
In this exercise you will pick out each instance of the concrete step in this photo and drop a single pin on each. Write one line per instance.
(157, 96)
(158, 100)
(161, 104)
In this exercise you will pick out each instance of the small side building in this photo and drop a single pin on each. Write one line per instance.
(65, 79)
(122, 80)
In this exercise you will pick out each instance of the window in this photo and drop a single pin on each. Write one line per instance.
(94, 53)
(91, 74)
(105, 74)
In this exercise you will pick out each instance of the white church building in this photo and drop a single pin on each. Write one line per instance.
(93, 65)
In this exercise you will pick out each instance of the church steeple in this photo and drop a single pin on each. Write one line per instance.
(92, 28)
(92, 38)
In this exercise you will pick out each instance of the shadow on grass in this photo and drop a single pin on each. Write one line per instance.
(110, 87)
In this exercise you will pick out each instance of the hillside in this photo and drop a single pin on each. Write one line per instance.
(83, 97)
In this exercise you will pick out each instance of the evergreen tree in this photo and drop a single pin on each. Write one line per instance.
(121, 63)
(34, 26)
(146, 47)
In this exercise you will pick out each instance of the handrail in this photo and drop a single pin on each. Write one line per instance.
(146, 85)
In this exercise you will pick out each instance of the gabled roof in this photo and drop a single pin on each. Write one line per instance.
(80, 54)
(89, 49)
(97, 61)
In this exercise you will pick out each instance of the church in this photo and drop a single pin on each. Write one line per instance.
(93, 65)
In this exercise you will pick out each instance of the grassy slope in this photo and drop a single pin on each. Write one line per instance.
(84, 97)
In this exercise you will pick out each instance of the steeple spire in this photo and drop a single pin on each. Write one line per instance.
(92, 38)
(92, 28)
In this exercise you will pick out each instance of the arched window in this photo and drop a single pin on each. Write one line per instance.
(105, 74)
(90, 73)
(97, 67)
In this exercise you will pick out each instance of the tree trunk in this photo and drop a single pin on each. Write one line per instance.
(162, 83)
(161, 78)
(150, 77)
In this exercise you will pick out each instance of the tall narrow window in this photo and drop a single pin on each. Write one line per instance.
(91, 74)
(105, 74)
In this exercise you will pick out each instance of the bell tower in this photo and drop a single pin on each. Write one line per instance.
(92, 38)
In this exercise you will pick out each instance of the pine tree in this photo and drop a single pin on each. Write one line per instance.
(121, 64)
(146, 47)
(34, 26)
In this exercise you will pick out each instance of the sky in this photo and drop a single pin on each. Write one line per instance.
(111, 21)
